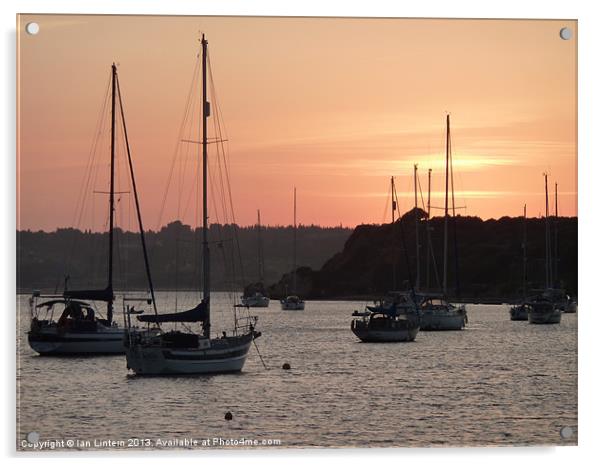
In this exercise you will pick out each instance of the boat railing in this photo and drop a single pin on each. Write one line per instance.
(245, 324)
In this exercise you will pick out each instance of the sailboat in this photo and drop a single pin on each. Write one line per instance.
(293, 302)
(563, 301)
(396, 318)
(568, 304)
(436, 312)
(256, 297)
(78, 329)
(521, 311)
(546, 308)
(155, 351)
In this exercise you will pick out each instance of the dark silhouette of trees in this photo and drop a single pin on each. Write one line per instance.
(44, 259)
(333, 262)
(489, 260)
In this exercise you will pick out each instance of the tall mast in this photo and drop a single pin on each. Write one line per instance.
(555, 276)
(428, 233)
(259, 247)
(294, 239)
(525, 252)
(112, 193)
(205, 114)
(446, 208)
(393, 208)
(417, 222)
(403, 241)
(137, 201)
(454, 223)
(545, 175)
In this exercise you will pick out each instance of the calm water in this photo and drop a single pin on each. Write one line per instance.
(497, 382)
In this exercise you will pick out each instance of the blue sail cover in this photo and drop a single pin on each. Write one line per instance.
(90, 295)
(198, 314)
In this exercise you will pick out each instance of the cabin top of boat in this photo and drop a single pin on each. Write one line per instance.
(293, 298)
(382, 314)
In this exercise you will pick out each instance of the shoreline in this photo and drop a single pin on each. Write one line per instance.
(354, 298)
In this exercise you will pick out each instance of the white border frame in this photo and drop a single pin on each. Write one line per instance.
(590, 157)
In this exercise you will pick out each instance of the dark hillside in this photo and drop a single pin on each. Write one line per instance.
(489, 259)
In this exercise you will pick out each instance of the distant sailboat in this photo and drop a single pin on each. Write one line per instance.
(545, 308)
(521, 311)
(257, 297)
(293, 302)
(78, 330)
(564, 302)
(395, 318)
(437, 313)
(158, 352)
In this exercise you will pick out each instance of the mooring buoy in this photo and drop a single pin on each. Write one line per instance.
(286, 366)
(228, 416)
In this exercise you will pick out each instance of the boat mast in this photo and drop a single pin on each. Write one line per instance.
(428, 233)
(393, 208)
(545, 175)
(454, 223)
(259, 247)
(524, 252)
(446, 208)
(137, 202)
(555, 276)
(205, 114)
(112, 193)
(294, 290)
(403, 240)
(417, 222)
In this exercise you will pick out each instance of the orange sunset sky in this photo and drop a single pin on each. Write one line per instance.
(332, 106)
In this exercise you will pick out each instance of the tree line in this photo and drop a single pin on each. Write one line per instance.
(79, 259)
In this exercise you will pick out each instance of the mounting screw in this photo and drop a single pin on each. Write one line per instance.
(32, 28)
(566, 33)
(566, 432)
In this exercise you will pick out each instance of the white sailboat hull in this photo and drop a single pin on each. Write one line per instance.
(256, 301)
(53, 342)
(157, 360)
(442, 320)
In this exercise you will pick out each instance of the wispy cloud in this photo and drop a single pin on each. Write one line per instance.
(389, 167)
(385, 152)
